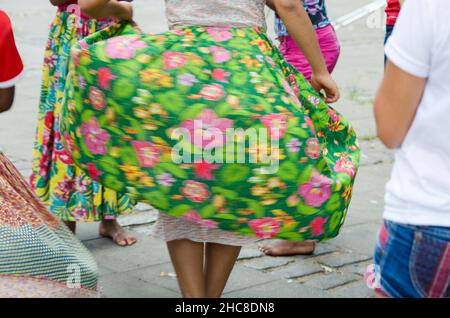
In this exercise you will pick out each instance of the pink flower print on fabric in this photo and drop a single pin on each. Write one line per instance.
(104, 78)
(220, 34)
(220, 75)
(207, 130)
(195, 217)
(289, 90)
(276, 124)
(220, 54)
(316, 190)
(123, 47)
(317, 225)
(187, 79)
(148, 154)
(195, 191)
(95, 137)
(265, 228)
(174, 60)
(313, 149)
(93, 172)
(346, 166)
(165, 179)
(97, 98)
(213, 92)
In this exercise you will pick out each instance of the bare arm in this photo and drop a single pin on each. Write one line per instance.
(99, 9)
(301, 30)
(6, 98)
(396, 104)
(401, 2)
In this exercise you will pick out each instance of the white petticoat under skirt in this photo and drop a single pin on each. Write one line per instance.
(170, 228)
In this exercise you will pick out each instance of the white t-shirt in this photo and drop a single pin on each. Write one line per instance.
(418, 192)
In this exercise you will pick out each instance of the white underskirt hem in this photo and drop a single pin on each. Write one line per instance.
(169, 228)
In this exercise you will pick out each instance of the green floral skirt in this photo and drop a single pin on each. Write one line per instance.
(212, 125)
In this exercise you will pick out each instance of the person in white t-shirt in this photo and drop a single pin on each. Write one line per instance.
(412, 110)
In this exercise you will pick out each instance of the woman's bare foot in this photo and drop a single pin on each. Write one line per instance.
(286, 248)
(71, 225)
(113, 230)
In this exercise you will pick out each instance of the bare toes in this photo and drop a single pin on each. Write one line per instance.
(131, 239)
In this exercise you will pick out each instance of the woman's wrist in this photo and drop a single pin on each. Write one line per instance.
(320, 70)
(318, 65)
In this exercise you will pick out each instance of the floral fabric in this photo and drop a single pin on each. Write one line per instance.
(128, 92)
(69, 193)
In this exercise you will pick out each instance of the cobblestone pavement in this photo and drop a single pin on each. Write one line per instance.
(143, 270)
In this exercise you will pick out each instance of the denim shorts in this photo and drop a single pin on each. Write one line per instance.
(413, 261)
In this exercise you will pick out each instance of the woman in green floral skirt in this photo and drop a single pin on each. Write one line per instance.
(166, 118)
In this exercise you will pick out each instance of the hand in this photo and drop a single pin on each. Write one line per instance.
(126, 12)
(58, 2)
(326, 82)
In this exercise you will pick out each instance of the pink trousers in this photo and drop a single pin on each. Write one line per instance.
(329, 46)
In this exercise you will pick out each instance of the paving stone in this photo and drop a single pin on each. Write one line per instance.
(146, 251)
(372, 178)
(22, 165)
(324, 248)
(25, 173)
(331, 280)
(374, 152)
(267, 262)
(298, 269)
(360, 238)
(122, 285)
(321, 249)
(361, 212)
(138, 218)
(143, 229)
(162, 275)
(358, 268)
(241, 277)
(357, 289)
(375, 159)
(364, 127)
(338, 260)
(88, 231)
(144, 207)
(103, 271)
(279, 289)
(248, 253)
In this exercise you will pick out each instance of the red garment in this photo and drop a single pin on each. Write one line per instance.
(11, 65)
(392, 11)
